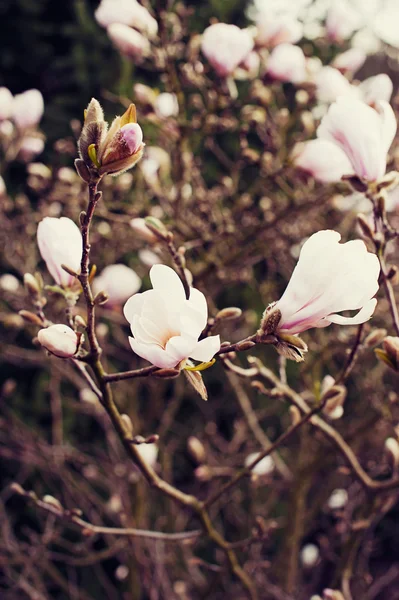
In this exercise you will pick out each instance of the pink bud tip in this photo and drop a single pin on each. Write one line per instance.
(132, 135)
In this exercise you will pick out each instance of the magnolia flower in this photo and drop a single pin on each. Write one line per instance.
(141, 230)
(30, 147)
(338, 499)
(274, 29)
(6, 103)
(323, 160)
(165, 325)
(126, 12)
(149, 453)
(363, 134)
(376, 89)
(166, 105)
(28, 109)
(350, 60)
(342, 20)
(309, 555)
(60, 243)
(155, 164)
(287, 63)
(329, 278)
(226, 46)
(118, 282)
(60, 340)
(128, 41)
(110, 150)
(330, 83)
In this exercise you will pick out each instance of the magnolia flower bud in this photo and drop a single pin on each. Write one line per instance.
(287, 63)
(119, 282)
(31, 284)
(60, 340)
(263, 467)
(390, 354)
(60, 243)
(392, 448)
(226, 46)
(196, 449)
(148, 452)
(309, 555)
(228, 313)
(338, 499)
(375, 338)
(166, 105)
(28, 109)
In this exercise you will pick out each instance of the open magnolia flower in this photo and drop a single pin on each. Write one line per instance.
(165, 325)
(330, 277)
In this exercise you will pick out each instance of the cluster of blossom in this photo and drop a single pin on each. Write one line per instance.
(19, 118)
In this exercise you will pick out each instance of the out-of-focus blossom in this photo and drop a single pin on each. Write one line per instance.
(128, 41)
(149, 452)
(28, 109)
(148, 257)
(30, 147)
(226, 46)
(376, 89)
(9, 283)
(166, 105)
(118, 282)
(309, 555)
(385, 24)
(60, 340)
(251, 65)
(333, 397)
(3, 189)
(351, 60)
(6, 103)
(287, 63)
(329, 277)
(362, 133)
(155, 164)
(165, 325)
(264, 466)
(323, 160)
(60, 243)
(109, 151)
(141, 230)
(342, 20)
(330, 84)
(126, 12)
(274, 29)
(338, 499)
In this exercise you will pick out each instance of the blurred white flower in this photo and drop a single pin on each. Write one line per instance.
(342, 20)
(226, 46)
(128, 41)
(287, 63)
(28, 109)
(119, 282)
(274, 29)
(6, 103)
(351, 60)
(126, 12)
(330, 83)
(149, 452)
(323, 160)
(264, 466)
(309, 555)
(9, 283)
(166, 105)
(165, 325)
(376, 89)
(30, 147)
(329, 277)
(338, 499)
(149, 258)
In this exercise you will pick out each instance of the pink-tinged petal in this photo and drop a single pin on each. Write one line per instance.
(350, 60)
(60, 340)
(287, 63)
(376, 89)
(324, 160)
(389, 124)
(60, 242)
(154, 354)
(362, 316)
(206, 349)
(166, 280)
(330, 84)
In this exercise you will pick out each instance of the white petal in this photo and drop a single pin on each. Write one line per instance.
(206, 349)
(180, 347)
(322, 159)
(154, 354)
(362, 316)
(166, 280)
(389, 125)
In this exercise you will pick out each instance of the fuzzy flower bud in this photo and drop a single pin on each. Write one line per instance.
(110, 151)
(60, 340)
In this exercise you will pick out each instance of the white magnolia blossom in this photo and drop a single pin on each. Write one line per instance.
(119, 282)
(363, 134)
(128, 41)
(329, 278)
(351, 60)
(323, 160)
(149, 453)
(287, 63)
(60, 340)
(309, 555)
(330, 84)
(166, 105)
(28, 109)
(126, 12)
(226, 46)
(342, 20)
(376, 89)
(60, 243)
(274, 29)
(165, 325)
